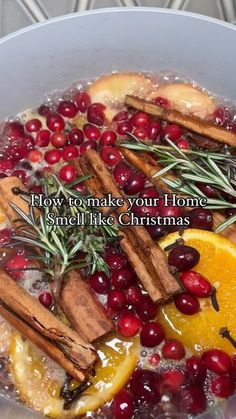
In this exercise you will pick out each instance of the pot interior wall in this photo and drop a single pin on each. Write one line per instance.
(42, 58)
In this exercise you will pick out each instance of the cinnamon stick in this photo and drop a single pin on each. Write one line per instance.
(128, 243)
(83, 310)
(97, 324)
(15, 298)
(191, 123)
(7, 186)
(147, 165)
(163, 278)
(205, 143)
(48, 347)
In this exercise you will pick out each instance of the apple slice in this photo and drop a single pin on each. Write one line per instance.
(111, 90)
(186, 98)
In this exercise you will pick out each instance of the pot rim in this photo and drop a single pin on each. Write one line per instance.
(112, 10)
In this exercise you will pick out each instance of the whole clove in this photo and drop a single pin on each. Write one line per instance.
(225, 333)
(70, 396)
(214, 300)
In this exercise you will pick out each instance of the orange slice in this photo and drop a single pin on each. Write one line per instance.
(186, 98)
(38, 379)
(218, 264)
(111, 90)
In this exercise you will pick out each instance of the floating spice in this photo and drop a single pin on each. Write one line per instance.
(214, 301)
(225, 333)
(71, 395)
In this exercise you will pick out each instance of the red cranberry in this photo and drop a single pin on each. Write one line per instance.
(95, 114)
(44, 110)
(221, 116)
(183, 257)
(139, 119)
(222, 386)
(33, 125)
(35, 156)
(6, 166)
(122, 173)
(46, 299)
(59, 139)
(52, 156)
(232, 372)
(76, 136)
(14, 130)
(194, 399)
(28, 142)
(124, 127)
(122, 278)
(161, 101)
(123, 405)
(100, 282)
(83, 101)
(183, 144)
(155, 359)
(21, 175)
(208, 190)
(142, 385)
(145, 211)
(91, 132)
(151, 335)
(134, 295)
(171, 211)
(15, 265)
(108, 138)
(67, 108)
(170, 381)
(116, 260)
(121, 116)
(156, 232)
(5, 236)
(129, 325)
(16, 152)
(196, 369)
(69, 153)
(135, 184)
(173, 349)
(43, 138)
(154, 130)
(146, 308)
(79, 187)
(149, 192)
(36, 189)
(110, 155)
(187, 304)
(87, 145)
(217, 361)
(140, 133)
(55, 122)
(173, 132)
(201, 218)
(230, 211)
(67, 173)
(116, 300)
(196, 284)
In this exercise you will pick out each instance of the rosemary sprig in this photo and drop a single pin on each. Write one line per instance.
(59, 245)
(193, 166)
(217, 169)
